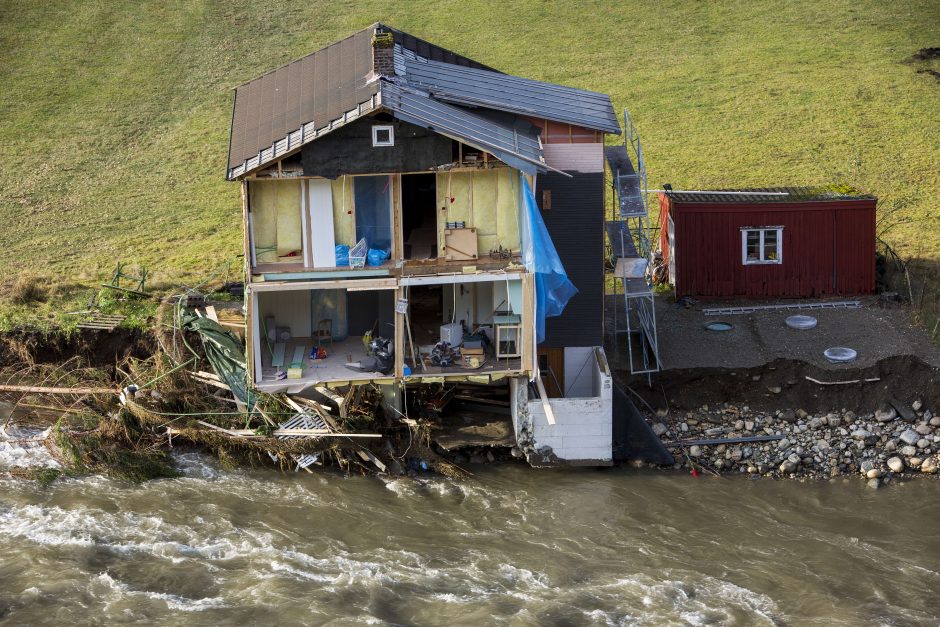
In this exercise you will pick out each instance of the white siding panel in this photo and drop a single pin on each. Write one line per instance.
(575, 157)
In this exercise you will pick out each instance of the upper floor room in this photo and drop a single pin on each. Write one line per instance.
(384, 153)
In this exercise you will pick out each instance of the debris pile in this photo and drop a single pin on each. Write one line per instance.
(894, 439)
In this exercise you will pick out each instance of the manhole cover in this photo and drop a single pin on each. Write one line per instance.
(801, 322)
(719, 326)
(840, 354)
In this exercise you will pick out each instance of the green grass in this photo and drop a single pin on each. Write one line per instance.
(114, 115)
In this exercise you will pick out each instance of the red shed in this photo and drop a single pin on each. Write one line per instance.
(785, 242)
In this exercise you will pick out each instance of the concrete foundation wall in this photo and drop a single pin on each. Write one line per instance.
(583, 429)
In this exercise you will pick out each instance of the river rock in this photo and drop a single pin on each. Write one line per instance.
(822, 445)
(793, 457)
(909, 436)
(874, 473)
(684, 427)
(788, 467)
(934, 421)
(860, 434)
(866, 466)
(908, 451)
(874, 484)
(923, 429)
(915, 462)
(801, 414)
(784, 443)
(774, 389)
(891, 446)
(834, 420)
(917, 405)
(896, 464)
(695, 451)
(659, 429)
(929, 466)
(886, 413)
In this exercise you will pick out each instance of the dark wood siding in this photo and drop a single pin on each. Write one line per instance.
(828, 248)
(576, 225)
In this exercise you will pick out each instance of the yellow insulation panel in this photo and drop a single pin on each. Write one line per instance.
(487, 200)
(344, 212)
(276, 220)
(507, 211)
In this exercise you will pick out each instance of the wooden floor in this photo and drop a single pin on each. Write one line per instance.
(333, 368)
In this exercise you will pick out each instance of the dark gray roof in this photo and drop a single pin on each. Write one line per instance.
(477, 87)
(278, 112)
(514, 144)
(760, 195)
(319, 88)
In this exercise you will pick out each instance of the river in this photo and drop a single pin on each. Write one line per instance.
(510, 545)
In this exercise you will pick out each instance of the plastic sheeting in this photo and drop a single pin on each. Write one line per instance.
(374, 210)
(553, 290)
(224, 351)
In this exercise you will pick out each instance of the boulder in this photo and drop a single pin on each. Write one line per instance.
(929, 466)
(909, 436)
(896, 464)
(788, 467)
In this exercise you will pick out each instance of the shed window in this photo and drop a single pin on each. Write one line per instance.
(383, 135)
(761, 245)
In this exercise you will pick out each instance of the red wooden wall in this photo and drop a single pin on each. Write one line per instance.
(828, 248)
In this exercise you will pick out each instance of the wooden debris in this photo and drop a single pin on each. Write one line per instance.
(101, 322)
(33, 389)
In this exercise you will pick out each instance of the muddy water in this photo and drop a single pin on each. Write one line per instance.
(511, 546)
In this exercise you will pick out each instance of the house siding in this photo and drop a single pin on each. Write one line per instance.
(828, 248)
(575, 223)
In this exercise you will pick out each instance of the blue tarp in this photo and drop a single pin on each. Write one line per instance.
(553, 290)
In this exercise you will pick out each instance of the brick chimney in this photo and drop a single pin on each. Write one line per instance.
(383, 53)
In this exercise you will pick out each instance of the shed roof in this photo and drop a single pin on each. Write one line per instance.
(763, 195)
(278, 112)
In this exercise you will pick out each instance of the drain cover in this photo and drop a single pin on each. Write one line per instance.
(719, 326)
(840, 354)
(801, 322)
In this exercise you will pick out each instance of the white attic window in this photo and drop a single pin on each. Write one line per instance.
(383, 135)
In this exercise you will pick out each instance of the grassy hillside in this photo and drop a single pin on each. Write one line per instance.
(114, 115)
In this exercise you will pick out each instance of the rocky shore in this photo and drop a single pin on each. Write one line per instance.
(878, 446)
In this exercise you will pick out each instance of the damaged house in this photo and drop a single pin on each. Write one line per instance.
(417, 220)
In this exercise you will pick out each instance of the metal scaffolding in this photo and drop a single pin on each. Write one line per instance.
(631, 250)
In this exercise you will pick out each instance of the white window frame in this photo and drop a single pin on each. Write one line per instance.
(375, 135)
(762, 230)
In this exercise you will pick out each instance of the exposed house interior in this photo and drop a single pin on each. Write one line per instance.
(419, 215)
(465, 327)
(318, 223)
(324, 335)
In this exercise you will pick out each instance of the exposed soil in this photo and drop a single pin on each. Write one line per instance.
(102, 349)
(926, 54)
(782, 384)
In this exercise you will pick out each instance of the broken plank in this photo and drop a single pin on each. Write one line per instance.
(546, 405)
(369, 457)
(211, 314)
(333, 396)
